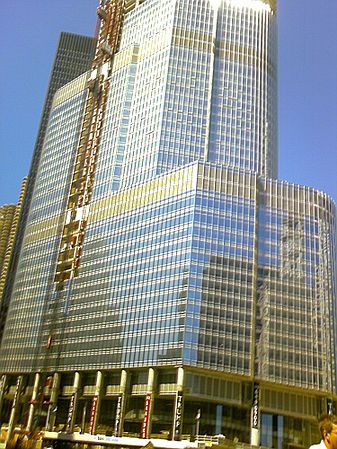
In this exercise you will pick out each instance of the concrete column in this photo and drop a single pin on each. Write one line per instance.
(73, 404)
(32, 406)
(52, 408)
(96, 403)
(15, 406)
(121, 402)
(255, 417)
(179, 405)
(148, 406)
(3, 385)
(180, 379)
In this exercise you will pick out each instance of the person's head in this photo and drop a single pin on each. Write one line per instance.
(328, 429)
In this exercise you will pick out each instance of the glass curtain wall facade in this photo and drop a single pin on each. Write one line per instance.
(191, 82)
(9, 221)
(39, 248)
(223, 279)
(73, 56)
(203, 284)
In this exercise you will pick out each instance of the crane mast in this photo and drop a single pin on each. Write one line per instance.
(110, 14)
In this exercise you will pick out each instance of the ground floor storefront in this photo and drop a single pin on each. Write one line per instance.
(169, 403)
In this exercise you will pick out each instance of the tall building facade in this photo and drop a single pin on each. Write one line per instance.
(73, 57)
(7, 213)
(9, 223)
(167, 280)
(198, 83)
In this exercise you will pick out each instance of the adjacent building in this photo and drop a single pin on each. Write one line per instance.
(9, 221)
(6, 219)
(73, 56)
(168, 282)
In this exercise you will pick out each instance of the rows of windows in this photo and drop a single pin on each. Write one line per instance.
(158, 279)
(33, 287)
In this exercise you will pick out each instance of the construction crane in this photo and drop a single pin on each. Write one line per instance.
(110, 14)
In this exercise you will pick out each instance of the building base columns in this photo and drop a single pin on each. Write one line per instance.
(73, 404)
(14, 410)
(3, 385)
(32, 405)
(52, 408)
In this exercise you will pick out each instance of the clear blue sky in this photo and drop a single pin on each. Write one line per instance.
(307, 84)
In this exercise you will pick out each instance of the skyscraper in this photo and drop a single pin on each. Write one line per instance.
(166, 275)
(9, 222)
(7, 213)
(73, 57)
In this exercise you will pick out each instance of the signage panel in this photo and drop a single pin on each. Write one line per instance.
(70, 413)
(255, 409)
(178, 415)
(118, 416)
(93, 414)
(147, 409)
